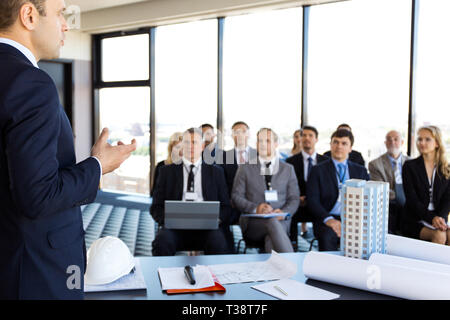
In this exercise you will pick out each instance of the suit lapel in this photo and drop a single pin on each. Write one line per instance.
(179, 181)
(205, 178)
(387, 167)
(423, 172)
(301, 167)
(332, 173)
(260, 177)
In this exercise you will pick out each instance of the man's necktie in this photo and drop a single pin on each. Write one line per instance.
(397, 174)
(310, 165)
(190, 183)
(241, 157)
(268, 177)
(341, 168)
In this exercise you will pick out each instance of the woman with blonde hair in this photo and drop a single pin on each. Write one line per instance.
(426, 181)
(297, 147)
(174, 155)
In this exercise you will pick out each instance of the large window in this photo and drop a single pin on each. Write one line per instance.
(186, 79)
(359, 71)
(125, 58)
(124, 107)
(262, 73)
(433, 68)
(126, 113)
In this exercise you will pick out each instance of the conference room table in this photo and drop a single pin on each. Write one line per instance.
(237, 291)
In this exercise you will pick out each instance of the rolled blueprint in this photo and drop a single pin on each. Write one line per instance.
(378, 258)
(417, 249)
(388, 279)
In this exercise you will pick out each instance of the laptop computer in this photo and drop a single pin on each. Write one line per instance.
(192, 215)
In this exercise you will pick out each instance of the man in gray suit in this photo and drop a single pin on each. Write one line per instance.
(388, 168)
(268, 186)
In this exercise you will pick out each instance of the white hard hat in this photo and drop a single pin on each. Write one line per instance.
(108, 259)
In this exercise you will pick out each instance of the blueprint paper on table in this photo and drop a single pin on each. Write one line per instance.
(132, 281)
(275, 268)
(295, 290)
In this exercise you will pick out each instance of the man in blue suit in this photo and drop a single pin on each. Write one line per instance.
(191, 179)
(323, 186)
(42, 249)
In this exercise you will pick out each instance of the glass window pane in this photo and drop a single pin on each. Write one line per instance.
(358, 71)
(125, 58)
(262, 73)
(126, 113)
(433, 68)
(186, 79)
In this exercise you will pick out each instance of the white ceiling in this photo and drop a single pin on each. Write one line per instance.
(90, 5)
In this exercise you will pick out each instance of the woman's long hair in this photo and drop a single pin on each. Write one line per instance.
(295, 147)
(175, 138)
(440, 157)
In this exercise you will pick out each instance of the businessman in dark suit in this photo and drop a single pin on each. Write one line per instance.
(303, 163)
(42, 249)
(241, 154)
(323, 188)
(191, 178)
(354, 156)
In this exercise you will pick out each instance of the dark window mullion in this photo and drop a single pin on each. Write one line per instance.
(412, 76)
(305, 49)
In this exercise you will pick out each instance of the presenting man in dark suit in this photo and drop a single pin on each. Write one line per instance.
(323, 189)
(42, 249)
(192, 178)
(303, 163)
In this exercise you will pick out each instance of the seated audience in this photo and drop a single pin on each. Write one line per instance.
(388, 168)
(174, 154)
(241, 154)
(426, 181)
(323, 189)
(268, 186)
(193, 177)
(303, 163)
(354, 155)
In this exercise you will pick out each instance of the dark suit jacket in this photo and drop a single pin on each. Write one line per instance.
(416, 186)
(41, 186)
(354, 156)
(297, 162)
(155, 178)
(230, 165)
(170, 187)
(322, 187)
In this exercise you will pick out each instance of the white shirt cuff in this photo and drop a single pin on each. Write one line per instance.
(100, 165)
(327, 218)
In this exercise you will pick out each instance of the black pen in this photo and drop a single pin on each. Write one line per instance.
(189, 272)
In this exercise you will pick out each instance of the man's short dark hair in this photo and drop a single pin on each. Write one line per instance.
(9, 11)
(311, 128)
(274, 135)
(344, 125)
(240, 123)
(194, 131)
(206, 125)
(342, 133)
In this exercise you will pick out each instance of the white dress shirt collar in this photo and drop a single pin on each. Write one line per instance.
(306, 156)
(24, 50)
(188, 163)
